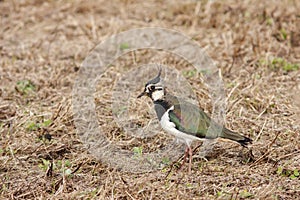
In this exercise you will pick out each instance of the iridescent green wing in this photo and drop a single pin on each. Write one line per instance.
(190, 119)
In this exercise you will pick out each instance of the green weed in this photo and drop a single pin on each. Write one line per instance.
(278, 63)
(189, 73)
(33, 126)
(124, 46)
(245, 194)
(138, 151)
(292, 174)
(25, 86)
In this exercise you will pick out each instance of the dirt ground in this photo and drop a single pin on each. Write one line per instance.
(256, 44)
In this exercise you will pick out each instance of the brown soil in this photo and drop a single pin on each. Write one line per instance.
(256, 44)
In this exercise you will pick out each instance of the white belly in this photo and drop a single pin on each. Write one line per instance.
(170, 128)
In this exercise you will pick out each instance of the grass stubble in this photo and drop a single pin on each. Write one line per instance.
(255, 44)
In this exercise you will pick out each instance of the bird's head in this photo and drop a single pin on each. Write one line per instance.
(154, 88)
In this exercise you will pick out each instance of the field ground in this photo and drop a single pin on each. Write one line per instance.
(256, 44)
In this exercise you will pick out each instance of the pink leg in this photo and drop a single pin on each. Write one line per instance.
(186, 153)
(190, 152)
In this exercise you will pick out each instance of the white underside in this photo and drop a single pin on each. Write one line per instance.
(170, 128)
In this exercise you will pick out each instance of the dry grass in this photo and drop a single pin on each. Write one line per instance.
(45, 42)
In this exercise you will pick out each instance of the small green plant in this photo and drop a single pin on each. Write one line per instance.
(290, 67)
(245, 194)
(33, 126)
(138, 151)
(189, 185)
(165, 161)
(295, 174)
(231, 84)
(25, 86)
(57, 165)
(46, 123)
(4, 188)
(67, 163)
(283, 34)
(124, 46)
(269, 21)
(44, 165)
(278, 63)
(220, 193)
(93, 193)
(190, 73)
(68, 172)
(292, 174)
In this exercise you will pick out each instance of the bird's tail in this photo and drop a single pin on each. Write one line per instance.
(228, 134)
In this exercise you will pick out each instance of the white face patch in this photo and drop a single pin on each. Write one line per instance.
(156, 91)
(157, 94)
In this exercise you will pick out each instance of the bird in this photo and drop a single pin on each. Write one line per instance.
(186, 121)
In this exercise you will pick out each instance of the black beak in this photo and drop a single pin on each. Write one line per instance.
(142, 94)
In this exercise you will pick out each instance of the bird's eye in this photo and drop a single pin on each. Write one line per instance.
(152, 87)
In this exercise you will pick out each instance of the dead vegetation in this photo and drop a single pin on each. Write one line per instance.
(256, 45)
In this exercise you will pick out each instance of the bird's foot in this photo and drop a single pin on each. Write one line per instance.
(201, 155)
(178, 164)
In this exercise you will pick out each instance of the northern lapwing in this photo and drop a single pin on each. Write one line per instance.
(186, 121)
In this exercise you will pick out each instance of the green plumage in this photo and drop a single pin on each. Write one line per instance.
(190, 119)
